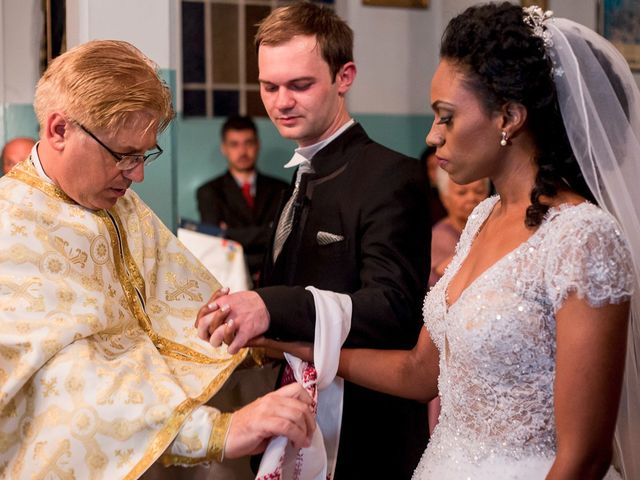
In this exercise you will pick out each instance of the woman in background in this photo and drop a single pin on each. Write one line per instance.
(436, 208)
(459, 201)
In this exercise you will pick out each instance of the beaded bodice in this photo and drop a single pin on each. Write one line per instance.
(497, 341)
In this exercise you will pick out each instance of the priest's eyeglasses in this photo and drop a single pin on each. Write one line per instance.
(127, 161)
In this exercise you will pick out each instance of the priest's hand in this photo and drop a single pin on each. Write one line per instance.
(285, 412)
(234, 319)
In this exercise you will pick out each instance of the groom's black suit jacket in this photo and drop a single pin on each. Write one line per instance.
(377, 200)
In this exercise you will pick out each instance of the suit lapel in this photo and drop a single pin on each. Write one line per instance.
(236, 200)
(327, 164)
(268, 267)
(263, 195)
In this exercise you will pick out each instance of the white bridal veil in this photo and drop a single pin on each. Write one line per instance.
(600, 105)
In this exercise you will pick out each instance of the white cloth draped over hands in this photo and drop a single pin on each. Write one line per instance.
(316, 462)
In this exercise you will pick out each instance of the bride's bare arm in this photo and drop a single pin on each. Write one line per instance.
(275, 349)
(404, 373)
(589, 367)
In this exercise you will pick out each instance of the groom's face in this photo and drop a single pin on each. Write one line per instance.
(298, 91)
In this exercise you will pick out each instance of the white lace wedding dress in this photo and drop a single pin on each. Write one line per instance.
(497, 343)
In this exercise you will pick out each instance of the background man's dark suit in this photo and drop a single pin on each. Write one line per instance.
(377, 200)
(221, 200)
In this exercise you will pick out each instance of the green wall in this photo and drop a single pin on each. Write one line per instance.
(159, 188)
(192, 152)
(19, 121)
(199, 157)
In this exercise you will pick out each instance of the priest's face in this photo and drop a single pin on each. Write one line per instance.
(89, 173)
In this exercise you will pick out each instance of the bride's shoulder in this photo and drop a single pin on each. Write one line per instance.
(583, 229)
(586, 252)
(580, 215)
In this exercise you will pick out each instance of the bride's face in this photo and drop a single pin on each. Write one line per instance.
(466, 136)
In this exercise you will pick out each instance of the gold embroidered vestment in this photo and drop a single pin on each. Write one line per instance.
(100, 365)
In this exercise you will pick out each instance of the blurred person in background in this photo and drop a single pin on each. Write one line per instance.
(436, 209)
(242, 202)
(459, 201)
(14, 151)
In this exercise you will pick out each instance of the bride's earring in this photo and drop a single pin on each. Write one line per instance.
(503, 141)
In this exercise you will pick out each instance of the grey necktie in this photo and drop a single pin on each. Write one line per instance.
(285, 223)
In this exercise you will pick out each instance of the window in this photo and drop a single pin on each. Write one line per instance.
(219, 64)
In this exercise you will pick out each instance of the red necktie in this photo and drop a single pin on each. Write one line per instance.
(246, 193)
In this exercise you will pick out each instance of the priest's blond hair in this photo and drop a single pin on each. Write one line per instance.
(101, 84)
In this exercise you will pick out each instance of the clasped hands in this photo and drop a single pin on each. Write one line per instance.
(237, 320)
(234, 319)
(240, 319)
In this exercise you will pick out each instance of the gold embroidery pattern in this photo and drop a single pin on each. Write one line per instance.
(28, 291)
(124, 456)
(182, 290)
(219, 436)
(16, 230)
(49, 387)
(28, 175)
(54, 464)
(99, 250)
(132, 283)
(178, 418)
(54, 264)
(84, 392)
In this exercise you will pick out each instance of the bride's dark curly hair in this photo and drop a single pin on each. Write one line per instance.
(504, 62)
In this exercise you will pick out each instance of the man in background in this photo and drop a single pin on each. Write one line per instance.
(14, 151)
(243, 202)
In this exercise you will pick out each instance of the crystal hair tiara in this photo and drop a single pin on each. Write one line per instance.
(535, 18)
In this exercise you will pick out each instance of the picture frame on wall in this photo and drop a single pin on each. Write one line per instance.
(397, 3)
(619, 22)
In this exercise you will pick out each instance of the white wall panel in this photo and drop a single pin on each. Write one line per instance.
(396, 50)
(21, 32)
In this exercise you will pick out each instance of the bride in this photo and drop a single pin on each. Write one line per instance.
(526, 332)
(529, 322)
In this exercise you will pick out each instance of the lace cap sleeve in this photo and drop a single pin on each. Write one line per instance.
(588, 255)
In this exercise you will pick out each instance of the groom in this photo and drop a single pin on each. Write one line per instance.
(355, 224)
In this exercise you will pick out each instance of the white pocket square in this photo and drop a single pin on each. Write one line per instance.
(326, 238)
